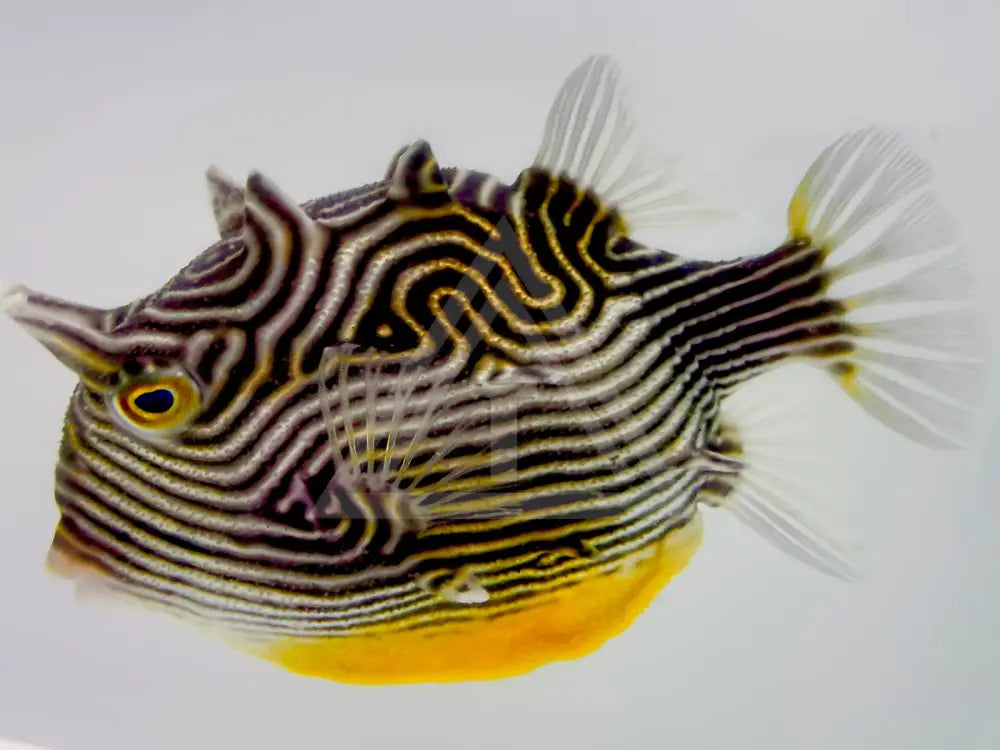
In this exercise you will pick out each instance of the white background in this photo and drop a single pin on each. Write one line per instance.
(109, 113)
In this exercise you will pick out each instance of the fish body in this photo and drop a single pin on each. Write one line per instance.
(445, 428)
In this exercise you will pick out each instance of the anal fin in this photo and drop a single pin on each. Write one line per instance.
(785, 473)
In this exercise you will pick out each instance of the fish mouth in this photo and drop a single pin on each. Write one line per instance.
(64, 562)
(91, 581)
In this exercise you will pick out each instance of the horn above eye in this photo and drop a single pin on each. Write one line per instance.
(78, 335)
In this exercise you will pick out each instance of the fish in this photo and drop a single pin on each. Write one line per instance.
(446, 428)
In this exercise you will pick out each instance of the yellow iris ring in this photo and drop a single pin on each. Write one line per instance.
(184, 392)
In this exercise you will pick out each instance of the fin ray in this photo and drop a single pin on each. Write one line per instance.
(786, 465)
(905, 283)
(914, 353)
(591, 138)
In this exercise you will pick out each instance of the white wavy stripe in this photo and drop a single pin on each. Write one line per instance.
(293, 424)
(253, 424)
(249, 255)
(221, 538)
(230, 468)
(652, 509)
(48, 325)
(333, 215)
(221, 254)
(389, 257)
(352, 246)
(268, 607)
(627, 497)
(279, 241)
(486, 195)
(294, 457)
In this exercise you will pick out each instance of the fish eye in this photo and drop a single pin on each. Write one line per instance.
(158, 400)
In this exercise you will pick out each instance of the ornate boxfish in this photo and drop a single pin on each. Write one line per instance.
(441, 427)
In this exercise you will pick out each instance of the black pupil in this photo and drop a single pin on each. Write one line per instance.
(159, 401)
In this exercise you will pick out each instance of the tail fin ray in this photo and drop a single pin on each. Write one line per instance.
(914, 359)
(897, 268)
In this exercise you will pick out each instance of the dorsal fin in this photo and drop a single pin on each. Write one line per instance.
(228, 201)
(591, 138)
(415, 177)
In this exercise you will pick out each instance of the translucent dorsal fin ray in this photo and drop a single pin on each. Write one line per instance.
(415, 176)
(591, 137)
(228, 202)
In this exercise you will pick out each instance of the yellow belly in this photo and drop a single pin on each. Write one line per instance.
(565, 624)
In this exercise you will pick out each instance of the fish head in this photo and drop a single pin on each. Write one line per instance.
(185, 400)
(149, 382)
(138, 411)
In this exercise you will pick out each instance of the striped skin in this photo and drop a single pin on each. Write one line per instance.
(518, 520)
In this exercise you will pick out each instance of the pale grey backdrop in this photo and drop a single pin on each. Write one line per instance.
(110, 111)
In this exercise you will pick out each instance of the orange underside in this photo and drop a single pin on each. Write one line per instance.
(561, 625)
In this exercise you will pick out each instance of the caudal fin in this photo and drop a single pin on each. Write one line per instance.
(896, 266)
(914, 358)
